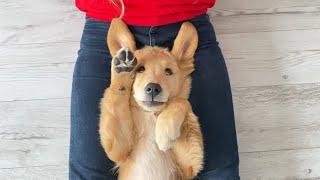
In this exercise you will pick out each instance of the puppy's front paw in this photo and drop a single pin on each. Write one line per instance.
(124, 61)
(167, 131)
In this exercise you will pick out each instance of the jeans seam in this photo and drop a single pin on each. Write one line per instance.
(150, 36)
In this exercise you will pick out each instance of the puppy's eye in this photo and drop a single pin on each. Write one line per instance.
(168, 71)
(141, 69)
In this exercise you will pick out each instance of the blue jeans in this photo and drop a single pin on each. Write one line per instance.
(210, 97)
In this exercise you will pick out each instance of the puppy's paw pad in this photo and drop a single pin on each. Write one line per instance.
(124, 61)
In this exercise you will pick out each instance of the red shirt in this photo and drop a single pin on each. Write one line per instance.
(145, 13)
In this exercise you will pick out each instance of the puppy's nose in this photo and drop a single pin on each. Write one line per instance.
(153, 89)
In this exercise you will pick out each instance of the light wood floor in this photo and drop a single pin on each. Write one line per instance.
(272, 49)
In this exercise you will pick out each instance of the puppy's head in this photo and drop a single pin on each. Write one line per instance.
(160, 74)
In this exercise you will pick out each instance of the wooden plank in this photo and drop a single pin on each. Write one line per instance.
(41, 82)
(281, 165)
(278, 67)
(278, 138)
(37, 71)
(280, 41)
(264, 23)
(39, 21)
(277, 117)
(277, 106)
(47, 113)
(33, 146)
(58, 172)
(279, 56)
(235, 7)
(50, 53)
(31, 134)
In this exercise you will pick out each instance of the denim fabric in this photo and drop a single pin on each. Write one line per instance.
(210, 97)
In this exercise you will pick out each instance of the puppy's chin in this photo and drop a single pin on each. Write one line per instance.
(151, 105)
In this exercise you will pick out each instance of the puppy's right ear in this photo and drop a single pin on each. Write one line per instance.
(119, 36)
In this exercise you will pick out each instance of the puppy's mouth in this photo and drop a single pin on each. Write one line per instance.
(152, 103)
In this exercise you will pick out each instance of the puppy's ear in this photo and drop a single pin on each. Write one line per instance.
(119, 36)
(185, 46)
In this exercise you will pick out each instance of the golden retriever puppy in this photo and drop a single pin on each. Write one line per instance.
(147, 126)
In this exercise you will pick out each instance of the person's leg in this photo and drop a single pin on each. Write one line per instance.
(211, 100)
(226, 173)
(87, 159)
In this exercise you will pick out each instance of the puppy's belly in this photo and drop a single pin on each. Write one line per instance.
(147, 162)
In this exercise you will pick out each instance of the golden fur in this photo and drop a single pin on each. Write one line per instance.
(146, 142)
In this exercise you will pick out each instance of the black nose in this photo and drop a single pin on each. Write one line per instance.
(153, 89)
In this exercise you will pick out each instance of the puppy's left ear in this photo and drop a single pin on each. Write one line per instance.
(185, 46)
(119, 36)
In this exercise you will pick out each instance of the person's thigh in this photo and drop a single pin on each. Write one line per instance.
(211, 100)
(87, 159)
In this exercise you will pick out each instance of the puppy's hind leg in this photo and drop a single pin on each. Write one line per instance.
(116, 126)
